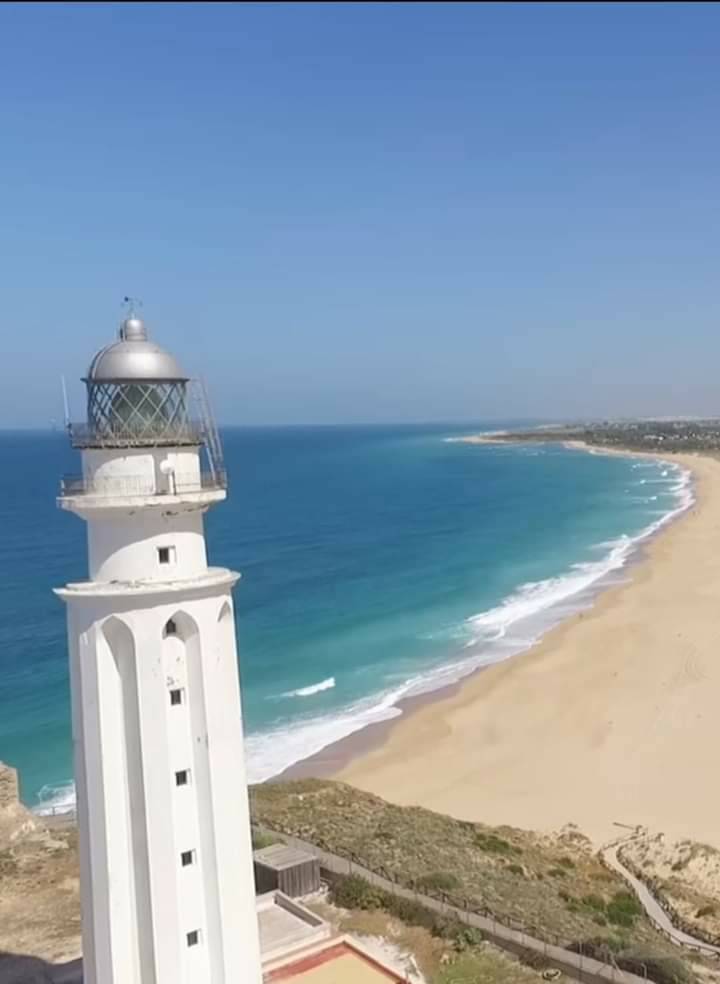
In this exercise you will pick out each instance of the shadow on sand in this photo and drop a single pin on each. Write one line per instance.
(17, 969)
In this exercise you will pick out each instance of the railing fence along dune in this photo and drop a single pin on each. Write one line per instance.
(508, 935)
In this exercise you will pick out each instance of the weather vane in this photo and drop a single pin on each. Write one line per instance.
(131, 304)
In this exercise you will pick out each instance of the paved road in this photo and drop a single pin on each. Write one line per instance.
(653, 908)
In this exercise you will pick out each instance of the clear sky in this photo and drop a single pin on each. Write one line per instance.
(367, 212)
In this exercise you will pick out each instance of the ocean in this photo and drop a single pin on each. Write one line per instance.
(378, 563)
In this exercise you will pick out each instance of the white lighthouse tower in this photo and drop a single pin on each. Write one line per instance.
(166, 857)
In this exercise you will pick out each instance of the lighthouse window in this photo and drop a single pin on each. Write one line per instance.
(193, 938)
(166, 555)
(176, 697)
(170, 627)
(186, 858)
(182, 778)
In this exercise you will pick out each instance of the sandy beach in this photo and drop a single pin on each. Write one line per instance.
(612, 718)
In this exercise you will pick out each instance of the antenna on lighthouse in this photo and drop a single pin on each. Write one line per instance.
(66, 405)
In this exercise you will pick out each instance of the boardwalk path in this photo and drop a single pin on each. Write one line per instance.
(652, 907)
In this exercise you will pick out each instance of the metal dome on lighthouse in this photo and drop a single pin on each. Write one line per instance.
(166, 871)
(134, 356)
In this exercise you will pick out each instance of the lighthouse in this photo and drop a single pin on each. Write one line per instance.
(166, 866)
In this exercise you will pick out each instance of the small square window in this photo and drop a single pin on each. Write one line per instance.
(187, 858)
(166, 555)
(170, 627)
(193, 938)
(176, 697)
(182, 778)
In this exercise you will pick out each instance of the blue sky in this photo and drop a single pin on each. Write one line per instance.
(381, 212)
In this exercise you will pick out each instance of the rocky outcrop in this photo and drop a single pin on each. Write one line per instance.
(39, 892)
(15, 820)
(9, 794)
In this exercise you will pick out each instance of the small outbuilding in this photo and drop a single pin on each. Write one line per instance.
(286, 869)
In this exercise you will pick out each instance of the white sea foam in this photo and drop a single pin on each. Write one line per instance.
(56, 799)
(314, 688)
(509, 628)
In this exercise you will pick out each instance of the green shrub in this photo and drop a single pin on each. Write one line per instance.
(410, 912)
(516, 869)
(595, 902)
(557, 872)
(260, 840)
(439, 881)
(496, 845)
(659, 968)
(354, 892)
(622, 909)
(599, 948)
(566, 862)
(537, 961)
(706, 910)
(461, 936)
(618, 917)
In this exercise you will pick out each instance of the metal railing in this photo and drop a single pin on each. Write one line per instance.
(142, 485)
(136, 435)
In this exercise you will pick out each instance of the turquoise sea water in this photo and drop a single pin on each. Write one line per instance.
(377, 563)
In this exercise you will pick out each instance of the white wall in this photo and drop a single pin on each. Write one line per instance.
(135, 822)
(123, 543)
(137, 471)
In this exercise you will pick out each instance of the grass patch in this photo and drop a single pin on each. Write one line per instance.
(595, 902)
(485, 967)
(260, 840)
(623, 909)
(437, 881)
(496, 845)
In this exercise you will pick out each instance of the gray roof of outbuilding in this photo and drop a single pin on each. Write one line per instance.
(280, 856)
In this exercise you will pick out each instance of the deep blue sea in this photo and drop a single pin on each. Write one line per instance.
(377, 562)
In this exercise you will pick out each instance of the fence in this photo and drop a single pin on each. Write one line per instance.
(684, 934)
(510, 936)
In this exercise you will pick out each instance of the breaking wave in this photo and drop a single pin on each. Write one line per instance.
(314, 688)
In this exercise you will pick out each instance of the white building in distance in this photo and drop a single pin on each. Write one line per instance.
(165, 849)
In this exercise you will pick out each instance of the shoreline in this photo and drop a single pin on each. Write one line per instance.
(336, 757)
(548, 738)
(348, 752)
